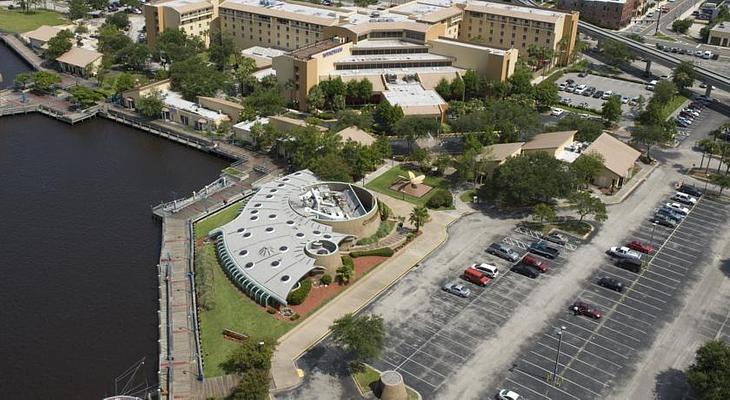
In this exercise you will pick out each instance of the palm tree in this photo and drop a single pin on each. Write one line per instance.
(723, 181)
(419, 217)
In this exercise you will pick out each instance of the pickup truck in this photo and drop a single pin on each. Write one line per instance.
(624, 252)
(542, 249)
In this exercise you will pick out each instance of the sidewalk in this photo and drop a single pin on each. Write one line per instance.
(296, 342)
(629, 188)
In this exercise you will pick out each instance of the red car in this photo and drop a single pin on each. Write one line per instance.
(581, 308)
(535, 262)
(475, 276)
(638, 246)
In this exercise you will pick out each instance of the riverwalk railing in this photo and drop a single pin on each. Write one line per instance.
(71, 118)
(172, 207)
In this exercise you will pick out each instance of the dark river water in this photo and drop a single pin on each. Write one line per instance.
(10, 64)
(78, 249)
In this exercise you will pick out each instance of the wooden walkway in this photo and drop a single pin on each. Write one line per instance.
(23, 51)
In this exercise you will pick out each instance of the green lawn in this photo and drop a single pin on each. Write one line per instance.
(229, 308)
(468, 196)
(220, 218)
(15, 21)
(383, 182)
(672, 105)
(383, 230)
(368, 378)
(662, 36)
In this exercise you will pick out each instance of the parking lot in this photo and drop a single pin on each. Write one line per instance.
(445, 330)
(617, 86)
(596, 355)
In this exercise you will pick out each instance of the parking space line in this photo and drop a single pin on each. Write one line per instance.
(446, 349)
(588, 340)
(527, 388)
(564, 369)
(414, 376)
(694, 231)
(664, 253)
(689, 244)
(560, 374)
(647, 295)
(647, 270)
(421, 365)
(654, 264)
(545, 383)
(619, 301)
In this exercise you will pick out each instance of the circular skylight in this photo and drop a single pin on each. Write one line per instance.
(270, 229)
(239, 230)
(257, 205)
(300, 235)
(243, 252)
(275, 263)
(283, 249)
(248, 265)
(247, 234)
(285, 278)
(272, 216)
(254, 218)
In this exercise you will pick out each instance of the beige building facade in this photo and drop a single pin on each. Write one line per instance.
(511, 27)
(720, 35)
(552, 143)
(491, 63)
(80, 61)
(194, 17)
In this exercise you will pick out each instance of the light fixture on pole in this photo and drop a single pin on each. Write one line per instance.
(653, 226)
(558, 332)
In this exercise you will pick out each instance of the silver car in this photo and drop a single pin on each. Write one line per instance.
(502, 251)
(457, 289)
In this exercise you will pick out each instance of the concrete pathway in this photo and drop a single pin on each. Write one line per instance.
(307, 334)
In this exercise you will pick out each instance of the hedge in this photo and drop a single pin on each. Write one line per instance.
(326, 279)
(382, 252)
(442, 198)
(297, 297)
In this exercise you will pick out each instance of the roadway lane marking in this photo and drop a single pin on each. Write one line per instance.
(544, 383)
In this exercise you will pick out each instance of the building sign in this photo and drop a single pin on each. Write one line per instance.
(332, 52)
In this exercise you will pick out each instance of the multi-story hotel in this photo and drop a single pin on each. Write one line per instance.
(194, 17)
(505, 26)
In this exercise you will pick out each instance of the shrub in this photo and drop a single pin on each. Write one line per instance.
(295, 317)
(297, 296)
(382, 252)
(271, 311)
(442, 198)
(326, 279)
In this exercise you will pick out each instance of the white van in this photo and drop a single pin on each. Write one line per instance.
(489, 270)
(651, 85)
(707, 55)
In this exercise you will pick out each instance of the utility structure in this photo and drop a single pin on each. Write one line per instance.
(558, 332)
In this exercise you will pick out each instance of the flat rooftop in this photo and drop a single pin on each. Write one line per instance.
(370, 58)
(468, 45)
(186, 5)
(384, 16)
(264, 52)
(411, 95)
(509, 10)
(723, 27)
(295, 12)
(399, 71)
(385, 43)
(175, 100)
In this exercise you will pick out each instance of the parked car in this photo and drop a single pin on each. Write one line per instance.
(668, 212)
(640, 247)
(580, 89)
(630, 264)
(569, 81)
(555, 238)
(581, 308)
(556, 112)
(562, 86)
(533, 261)
(526, 270)
(542, 249)
(610, 283)
(664, 220)
(589, 91)
(690, 190)
(503, 251)
(583, 74)
(487, 269)
(624, 99)
(505, 394)
(707, 55)
(475, 276)
(598, 94)
(456, 288)
(678, 208)
(699, 53)
(624, 252)
(607, 95)
(684, 198)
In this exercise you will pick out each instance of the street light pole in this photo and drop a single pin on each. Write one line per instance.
(558, 332)
(653, 226)
(657, 21)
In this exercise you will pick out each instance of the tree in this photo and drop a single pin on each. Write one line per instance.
(77, 9)
(251, 354)
(332, 90)
(173, 45)
(521, 80)
(585, 204)
(528, 179)
(112, 41)
(709, 375)
(193, 77)
(44, 81)
(85, 97)
(588, 128)
(684, 75)
(723, 181)
(615, 52)
(418, 217)
(413, 128)
(359, 91)
(123, 83)
(516, 121)
(253, 385)
(636, 37)
(221, 48)
(538, 56)
(59, 44)
(23, 79)
(543, 212)
(611, 109)
(333, 167)
(457, 88)
(134, 56)
(585, 167)
(650, 135)
(473, 84)
(151, 105)
(315, 98)
(386, 116)
(345, 273)
(120, 20)
(664, 91)
(443, 89)
(682, 25)
(266, 102)
(546, 94)
(362, 336)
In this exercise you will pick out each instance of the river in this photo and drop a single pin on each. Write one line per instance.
(78, 249)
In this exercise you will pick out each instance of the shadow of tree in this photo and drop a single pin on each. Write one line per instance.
(671, 384)
(725, 267)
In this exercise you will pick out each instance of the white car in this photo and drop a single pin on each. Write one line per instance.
(580, 89)
(562, 86)
(684, 198)
(505, 394)
(607, 95)
(698, 53)
(624, 252)
(489, 270)
(624, 100)
(707, 55)
(678, 208)
(556, 112)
